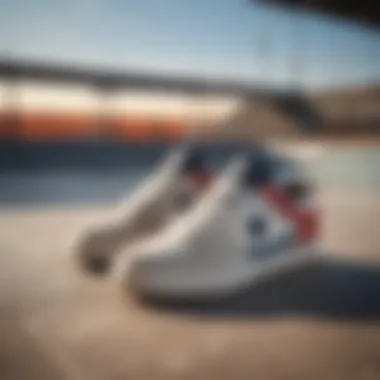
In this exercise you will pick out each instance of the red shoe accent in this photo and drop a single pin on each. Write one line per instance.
(305, 220)
(202, 178)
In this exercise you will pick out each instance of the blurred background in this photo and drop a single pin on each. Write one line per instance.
(158, 71)
(94, 93)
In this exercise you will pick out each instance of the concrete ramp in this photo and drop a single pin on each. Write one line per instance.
(286, 117)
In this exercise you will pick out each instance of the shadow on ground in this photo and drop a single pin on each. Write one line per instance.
(330, 289)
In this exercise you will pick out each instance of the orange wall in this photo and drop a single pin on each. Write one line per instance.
(47, 126)
(146, 129)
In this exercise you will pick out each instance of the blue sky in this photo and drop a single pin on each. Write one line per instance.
(219, 38)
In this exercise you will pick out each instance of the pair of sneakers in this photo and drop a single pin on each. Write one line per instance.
(189, 233)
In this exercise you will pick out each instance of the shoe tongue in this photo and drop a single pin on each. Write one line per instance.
(194, 162)
(259, 171)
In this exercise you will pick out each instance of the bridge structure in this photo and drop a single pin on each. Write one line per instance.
(292, 105)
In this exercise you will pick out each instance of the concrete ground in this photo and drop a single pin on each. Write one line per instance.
(55, 323)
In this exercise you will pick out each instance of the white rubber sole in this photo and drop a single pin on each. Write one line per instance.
(214, 281)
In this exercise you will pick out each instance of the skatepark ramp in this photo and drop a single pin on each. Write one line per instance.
(287, 116)
(350, 111)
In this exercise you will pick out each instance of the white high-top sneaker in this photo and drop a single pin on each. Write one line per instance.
(252, 222)
(167, 192)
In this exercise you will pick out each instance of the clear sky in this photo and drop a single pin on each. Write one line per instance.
(197, 37)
